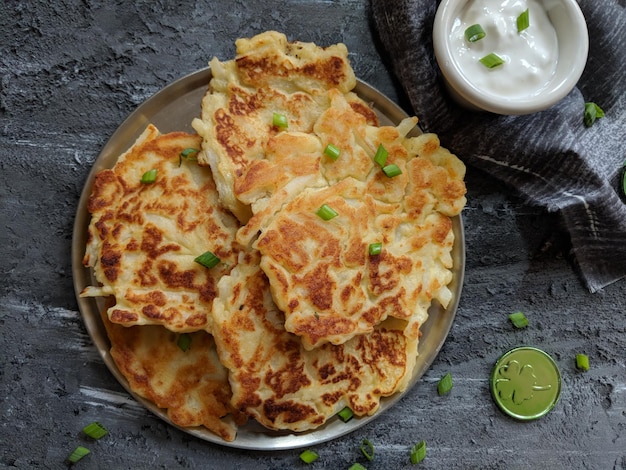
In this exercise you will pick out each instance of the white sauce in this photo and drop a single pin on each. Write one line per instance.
(530, 56)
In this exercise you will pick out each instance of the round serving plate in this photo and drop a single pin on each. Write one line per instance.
(172, 109)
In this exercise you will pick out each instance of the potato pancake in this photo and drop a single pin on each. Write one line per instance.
(320, 271)
(191, 384)
(278, 382)
(143, 238)
(333, 236)
(276, 178)
(268, 76)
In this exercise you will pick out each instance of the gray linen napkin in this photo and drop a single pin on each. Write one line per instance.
(550, 157)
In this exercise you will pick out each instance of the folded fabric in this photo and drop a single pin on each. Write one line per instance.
(550, 157)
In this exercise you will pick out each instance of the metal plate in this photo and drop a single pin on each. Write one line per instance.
(172, 109)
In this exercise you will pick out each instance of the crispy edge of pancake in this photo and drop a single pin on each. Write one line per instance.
(198, 395)
(269, 57)
(444, 170)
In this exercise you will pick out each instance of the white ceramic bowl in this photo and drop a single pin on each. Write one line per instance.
(573, 46)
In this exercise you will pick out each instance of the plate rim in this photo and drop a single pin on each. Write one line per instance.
(130, 128)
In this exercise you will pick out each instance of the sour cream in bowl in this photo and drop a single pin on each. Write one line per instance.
(510, 56)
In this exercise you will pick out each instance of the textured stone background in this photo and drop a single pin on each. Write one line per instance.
(71, 71)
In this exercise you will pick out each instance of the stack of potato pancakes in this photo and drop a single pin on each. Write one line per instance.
(278, 265)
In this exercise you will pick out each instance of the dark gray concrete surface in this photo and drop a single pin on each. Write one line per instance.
(71, 71)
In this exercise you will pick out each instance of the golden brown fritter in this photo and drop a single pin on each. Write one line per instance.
(278, 382)
(275, 179)
(268, 75)
(143, 238)
(192, 385)
(320, 272)
(305, 319)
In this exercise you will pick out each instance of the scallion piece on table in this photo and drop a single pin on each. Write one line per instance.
(280, 121)
(149, 176)
(582, 362)
(326, 212)
(309, 456)
(418, 452)
(381, 155)
(207, 259)
(346, 414)
(95, 430)
(518, 319)
(184, 342)
(492, 60)
(332, 151)
(375, 248)
(78, 454)
(445, 384)
(392, 170)
(592, 112)
(474, 33)
(523, 21)
(367, 448)
(357, 466)
(187, 155)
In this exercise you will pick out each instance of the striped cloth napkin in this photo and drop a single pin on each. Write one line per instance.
(550, 157)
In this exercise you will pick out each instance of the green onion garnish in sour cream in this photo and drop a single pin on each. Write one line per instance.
(492, 60)
(474, 33)
(523, 21)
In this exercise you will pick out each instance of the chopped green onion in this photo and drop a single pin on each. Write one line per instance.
(474, 33)
(346, 414)
(418, 452)
(492, 60)
(186, 155)
(381, 155)
(184, 341)
(445, 384)
(95, 430)
(367, 448)
(332, 151)
(518, 319)
(392, 170)
(188, 151)
(592, 112)
(357, 466)
(326, 212)
(582, 362)
(280, 121)
(309, 456)
(523, 21)
(208, 260)
(375, 248)
(78, 454)
(149, 176)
